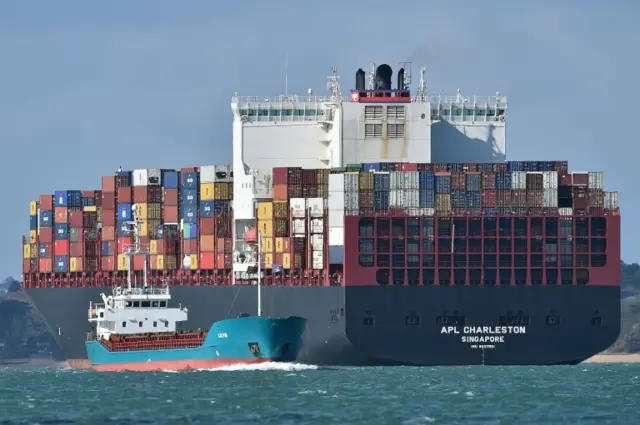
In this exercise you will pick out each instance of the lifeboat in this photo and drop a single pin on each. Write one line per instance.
(251, 236)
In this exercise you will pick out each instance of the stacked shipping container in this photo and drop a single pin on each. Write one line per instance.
(188, 215)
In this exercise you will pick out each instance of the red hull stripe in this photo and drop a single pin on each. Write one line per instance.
(175, 365)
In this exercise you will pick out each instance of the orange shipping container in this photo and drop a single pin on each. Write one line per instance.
(124, 195)
(44, 265)
(109, 184)
(219, 262)
(207, 243)
(123, 244)
(61, 248)
(153, 259)
(61, 215)
(109, 233)
(26, 266)
(171, 197)
(280, 192)
(220, 245)
(207, 226)
(190, 246)
(170, 214)
(76, 249)
(76, 265)
(138, 262)
(206, 261)
(108, 263)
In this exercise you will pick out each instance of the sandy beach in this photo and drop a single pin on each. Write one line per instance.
(614, 358)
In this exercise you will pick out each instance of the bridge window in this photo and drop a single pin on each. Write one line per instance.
(139, 324)
(124, 324)
(598, 226)
(382, 227)
(365, 260)
(366, 245)
(365, 228)
(155, 324)
(384, 260)
(598, 260)
(136, 304)
(428, 276)
(373, 112)
(598, 245)
(382, 245)
(163, 303)
(146, 304)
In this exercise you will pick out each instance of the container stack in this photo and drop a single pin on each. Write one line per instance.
(29, 245)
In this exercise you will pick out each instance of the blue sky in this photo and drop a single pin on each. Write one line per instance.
(88, 86)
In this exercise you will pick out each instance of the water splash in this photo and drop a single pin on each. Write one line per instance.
(283, 367)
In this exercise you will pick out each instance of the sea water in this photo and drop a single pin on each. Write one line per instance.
(302, 394)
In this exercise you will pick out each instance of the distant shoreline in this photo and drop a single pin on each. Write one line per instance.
(614, 358)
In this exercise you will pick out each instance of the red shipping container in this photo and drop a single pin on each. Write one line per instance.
(108, 233)
(123, 244)
(278, 259)
(76, 249)
(489, 199)
(108, 217)
(566, 180)
(207, 261)
(138, 262)
(160, 246)
(75, 219)
(124, 195)
(109, 184)
(228, 246)
(170, 214)
(89, 194)
(61, 248)
(309, 177)
(108, 264)
(488, 181)
(46, 202)
(140, 194)
(91, 249)
(228, 261)
(219, 262)
(44, 265)
(280, 175)
(581, 179)
(190, 246)
(408, 166)
(458, 181)
(46, 235)
(280, 192)
(108, 201)
(207, 226)
(61, 215)
(171, 197)
(286, 244)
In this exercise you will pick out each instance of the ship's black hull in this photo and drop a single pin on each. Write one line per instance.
(392, 325)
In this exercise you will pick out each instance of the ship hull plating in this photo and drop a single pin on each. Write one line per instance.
(375, 325)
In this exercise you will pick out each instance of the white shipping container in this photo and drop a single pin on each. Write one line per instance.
(518, 180)
(316, 205)
(317, 225)
(154, 177)
(565, 211)
(336, 218)
(336, 183)
(351, 182)
(297, 207)
(427, 212)
(550, 180)
(596, 180)
(352, 212)
(336, 236)
(410, 180)
(207, 173)
(298, 226)
(140, 177)
(317, 242)
(403, 198)
(351, 200)
(611, 200)
(318, 260)
(262, 186)
(336, 201)
(393, 180)
(550, 198)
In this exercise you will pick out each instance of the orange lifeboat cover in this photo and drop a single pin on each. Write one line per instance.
(251, 236)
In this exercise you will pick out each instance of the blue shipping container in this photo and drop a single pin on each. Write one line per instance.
(336, 254)
(43, 250)
(190, 231)
(427, 198)
(473, 182)
(443, 184)
(456, 168)
(60, 198)
(503, 181)
(485, 168)
(190, 215)
(88, 202)
(189, 198)
(381, 200)
(61, 231)
(473, 199)
(46, 218)
(33, 222)
(62, 264)
(190, 180)
(74, 198)
(105, 249)
(207, 209)
(490, 213)
(222, 208)
(124, 229)
(124, 212)
(381, 181)
(458, 199)
(426, 180)
(170, 179)
(371, 166)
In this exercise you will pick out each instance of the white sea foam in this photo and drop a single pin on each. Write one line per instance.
(283, 367)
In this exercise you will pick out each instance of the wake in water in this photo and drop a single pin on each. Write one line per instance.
(282, 367)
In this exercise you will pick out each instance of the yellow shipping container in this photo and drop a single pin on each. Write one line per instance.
(142, 211)
(194, 262)
(159, 262)
(265, 210)
(265, 227)
(281, 209)
(268, 261)
(26, 251)
(222, 192)
(366, 180)
(153, 247)
(34, 250)
(207, 191)
(286, 260)
(73, 265)
(279, 245)
(99, 211)
(89, 208)
(123, 263)
(267, 244)
(33, 207)
(144, 228)
(33, 234)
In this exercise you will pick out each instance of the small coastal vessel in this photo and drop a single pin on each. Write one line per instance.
(136, 330)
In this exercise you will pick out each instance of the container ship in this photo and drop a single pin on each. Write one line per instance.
(393, 223)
